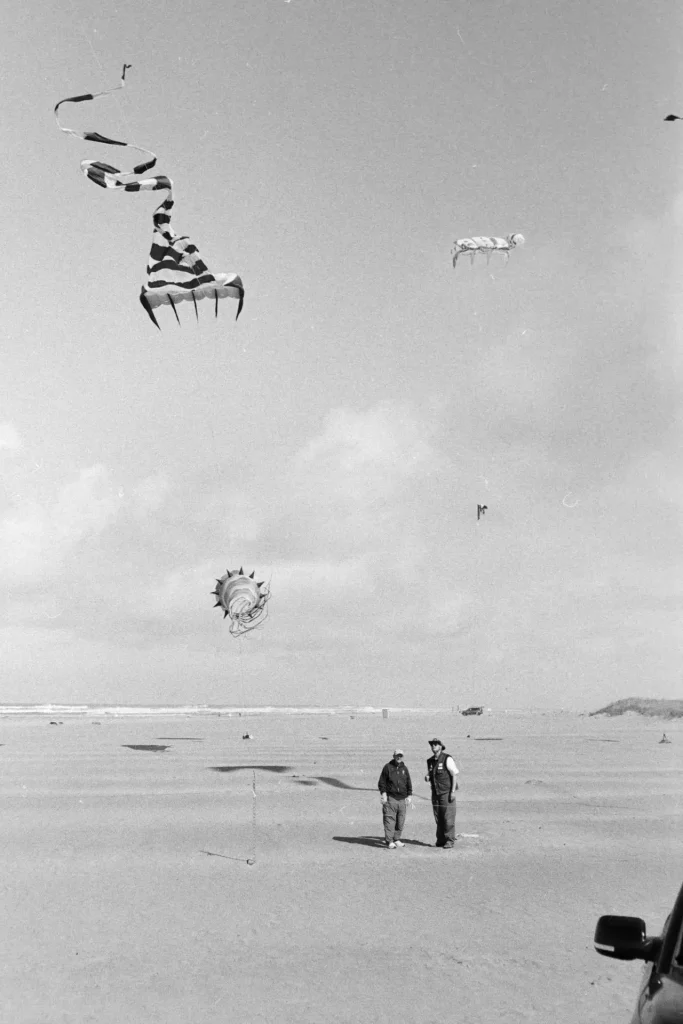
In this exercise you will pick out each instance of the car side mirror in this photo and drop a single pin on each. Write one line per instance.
(624, 938)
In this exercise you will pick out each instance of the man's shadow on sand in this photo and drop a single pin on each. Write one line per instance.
(374, 841)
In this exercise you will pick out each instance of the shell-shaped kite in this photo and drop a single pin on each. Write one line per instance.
(242, 599)
(479, 243)
(176, 271)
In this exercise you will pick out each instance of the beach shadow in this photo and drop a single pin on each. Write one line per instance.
(305, 782)
(362, 841)
(375, 841)
(153, 747)
(224, 856)
(279, 768)
(329, 780)
(596, 739)
(487, 739)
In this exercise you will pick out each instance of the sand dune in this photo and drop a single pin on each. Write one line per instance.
(647, 707)
(128, 895)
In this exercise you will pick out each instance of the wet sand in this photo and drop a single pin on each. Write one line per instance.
(128, 896)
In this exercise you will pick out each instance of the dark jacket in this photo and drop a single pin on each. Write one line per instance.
(395, 781)
(439, 776)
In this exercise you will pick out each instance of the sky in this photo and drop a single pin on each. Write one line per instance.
(338, 438)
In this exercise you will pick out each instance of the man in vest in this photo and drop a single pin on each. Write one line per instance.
(443, 776)
(395, 790)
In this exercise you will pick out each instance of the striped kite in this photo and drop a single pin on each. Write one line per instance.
(242, 599)
(176, 271)
(486, 245)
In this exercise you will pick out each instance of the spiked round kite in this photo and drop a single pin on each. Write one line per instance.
(176, 271)
(242, 599)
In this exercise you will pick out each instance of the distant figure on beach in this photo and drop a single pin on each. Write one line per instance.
(442, 774)
(664, 739)
(395, 790)
(247, 736)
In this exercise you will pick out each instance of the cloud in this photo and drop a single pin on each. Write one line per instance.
(355, 485)
(389, 441)
(150, 494)
(9, 438)
(37, 539)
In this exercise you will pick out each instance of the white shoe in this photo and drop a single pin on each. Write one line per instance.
(392, 846)
(397, 842)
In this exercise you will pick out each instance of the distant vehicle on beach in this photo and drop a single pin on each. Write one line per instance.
(660, 998)
(473, 711)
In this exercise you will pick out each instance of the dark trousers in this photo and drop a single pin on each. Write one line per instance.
(444, 816)
(394, 815)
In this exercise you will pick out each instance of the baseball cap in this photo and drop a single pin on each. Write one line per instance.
(398, 751)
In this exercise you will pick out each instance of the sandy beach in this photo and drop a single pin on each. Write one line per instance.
(128, 896)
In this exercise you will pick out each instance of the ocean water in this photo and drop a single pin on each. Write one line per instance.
(121, 710)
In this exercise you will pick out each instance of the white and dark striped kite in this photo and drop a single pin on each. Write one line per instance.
(478, 243)
(242, 599)
(176, 271)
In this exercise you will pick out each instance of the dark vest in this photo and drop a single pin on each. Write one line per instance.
(439, 776)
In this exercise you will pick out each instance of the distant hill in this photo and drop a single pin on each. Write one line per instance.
(643, 706)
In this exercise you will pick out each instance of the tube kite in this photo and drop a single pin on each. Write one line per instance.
(176, 271)
(242, 599)
(479, 243)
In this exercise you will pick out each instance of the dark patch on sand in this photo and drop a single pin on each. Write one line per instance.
(306, 782)
(375, 841)
(338, 784)
(279, 768)
(153, 747)
(597, 739)
(487, 739)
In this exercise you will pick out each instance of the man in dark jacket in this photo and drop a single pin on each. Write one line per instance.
(442, 774)
(395, 789)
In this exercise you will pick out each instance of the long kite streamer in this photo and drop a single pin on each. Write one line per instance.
(176, 271)
(480, 243)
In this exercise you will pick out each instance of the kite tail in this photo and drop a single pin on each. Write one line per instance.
(175, 271)
(104, 174)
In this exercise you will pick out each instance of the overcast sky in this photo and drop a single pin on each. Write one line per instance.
(338, 438)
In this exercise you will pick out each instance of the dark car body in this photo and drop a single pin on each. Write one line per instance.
(660, 999)
(473, 711)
